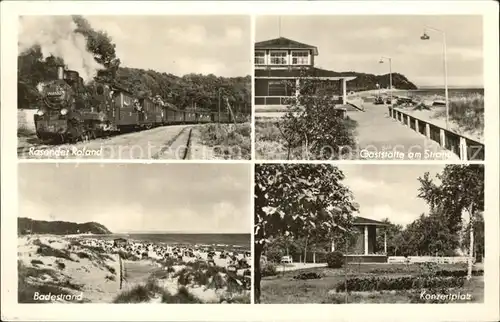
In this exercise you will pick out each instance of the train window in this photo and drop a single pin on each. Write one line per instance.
(100, 90)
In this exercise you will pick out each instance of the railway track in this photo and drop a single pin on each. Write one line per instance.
(167, 142)
(178, 147)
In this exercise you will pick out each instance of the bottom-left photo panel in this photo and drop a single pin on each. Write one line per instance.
(134, 233)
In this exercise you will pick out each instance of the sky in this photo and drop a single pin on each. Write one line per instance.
(179, 44)
(188, 198)
(356, 43)
(388, 191)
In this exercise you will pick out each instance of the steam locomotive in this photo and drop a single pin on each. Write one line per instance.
(69, 112)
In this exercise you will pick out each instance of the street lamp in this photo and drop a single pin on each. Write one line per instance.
(381, 61)
(425, 36)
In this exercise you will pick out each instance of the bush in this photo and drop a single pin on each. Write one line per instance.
(110, 277)
(307, 276)
(182, 296)
(360, 284)
(217, 282)
(240, 299)
(45, 250)
(83, 255)
(268, 269)
(458, 273)
(36, 262)
(274, 254)
(335, 259)
(61, 265)
(139, 294)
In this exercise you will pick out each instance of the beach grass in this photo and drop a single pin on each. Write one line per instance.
(228, 140)
(140, 293)
(52, 285)
(467, 111)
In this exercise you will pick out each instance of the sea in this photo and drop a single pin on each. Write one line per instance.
(452, 92)
(225, 241)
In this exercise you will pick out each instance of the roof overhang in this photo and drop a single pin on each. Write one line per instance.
(313, 49)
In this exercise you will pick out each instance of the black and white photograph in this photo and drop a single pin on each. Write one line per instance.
(134, 233)
(134, 87)
(369, 233)
(378, 87)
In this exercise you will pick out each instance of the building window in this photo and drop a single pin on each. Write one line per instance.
(260, 58)
(280, 88)
(279, 58)
(300, 58)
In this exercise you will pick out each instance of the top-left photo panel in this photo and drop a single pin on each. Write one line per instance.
(134, 87)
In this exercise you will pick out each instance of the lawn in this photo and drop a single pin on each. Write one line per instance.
(283, 288)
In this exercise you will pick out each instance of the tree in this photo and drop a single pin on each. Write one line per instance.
(478, 237)
(392, 232)
(313, 124)
(297, 200)
(460, 191)
(429, 235)
(99, 43)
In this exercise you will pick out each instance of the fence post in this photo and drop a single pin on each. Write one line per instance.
(416, 126)
(463, 149)
(121, 271)
(442, 135)
(409, 121)
(427, 130)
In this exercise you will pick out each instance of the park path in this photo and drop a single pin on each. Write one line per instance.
(382, 138)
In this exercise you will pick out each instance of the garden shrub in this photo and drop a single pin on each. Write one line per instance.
(458, 273)
(268, 269)
(307, 276)
(335, 259)
(360, 284)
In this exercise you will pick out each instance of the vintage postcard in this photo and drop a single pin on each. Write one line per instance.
(326, 156)
(387, 234)
(134, 87)
(134, 233)
(400, 87)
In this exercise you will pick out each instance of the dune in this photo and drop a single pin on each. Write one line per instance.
(103, 271)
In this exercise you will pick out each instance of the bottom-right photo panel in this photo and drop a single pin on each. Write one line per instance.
(369, 233)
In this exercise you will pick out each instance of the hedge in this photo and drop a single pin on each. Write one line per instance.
(360, 284)
(458, 273)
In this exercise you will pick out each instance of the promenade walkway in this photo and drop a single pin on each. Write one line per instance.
(382, 138)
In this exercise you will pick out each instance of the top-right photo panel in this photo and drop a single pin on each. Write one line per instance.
(398, 87)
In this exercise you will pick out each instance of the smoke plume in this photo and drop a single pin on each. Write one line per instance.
(56, 37)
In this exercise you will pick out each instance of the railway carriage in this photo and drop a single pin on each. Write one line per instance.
(169, 114)
(189, 116)
(70, 111)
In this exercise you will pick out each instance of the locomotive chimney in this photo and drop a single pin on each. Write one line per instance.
(60, 72)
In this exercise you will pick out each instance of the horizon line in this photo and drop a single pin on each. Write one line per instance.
(178, 232)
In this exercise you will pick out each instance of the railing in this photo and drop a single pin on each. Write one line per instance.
(274, 100)
(466, 148)
(287, 100)
(427, 259)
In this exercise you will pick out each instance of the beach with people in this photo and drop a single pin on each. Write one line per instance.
(93, 268)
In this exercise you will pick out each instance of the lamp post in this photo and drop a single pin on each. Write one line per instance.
(381, 61)
(425, 36)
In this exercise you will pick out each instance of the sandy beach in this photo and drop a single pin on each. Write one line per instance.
(86, 268)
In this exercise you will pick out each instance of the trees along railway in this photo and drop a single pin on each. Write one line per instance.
(70, 112)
